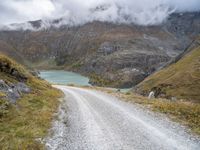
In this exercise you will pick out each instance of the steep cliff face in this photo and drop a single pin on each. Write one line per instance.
(121, 55)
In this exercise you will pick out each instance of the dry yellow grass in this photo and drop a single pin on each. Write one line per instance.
(21, 125)
(187, 113)
(181, 80)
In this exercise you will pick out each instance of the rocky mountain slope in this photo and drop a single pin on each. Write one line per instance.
(27, 105)
(179, 80)
(13, 80)
(116, 55)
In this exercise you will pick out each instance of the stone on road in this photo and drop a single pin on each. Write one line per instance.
(92, 120)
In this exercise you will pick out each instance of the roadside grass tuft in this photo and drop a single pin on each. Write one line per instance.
(187, 113)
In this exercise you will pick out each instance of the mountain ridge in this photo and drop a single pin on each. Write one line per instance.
(121, 55)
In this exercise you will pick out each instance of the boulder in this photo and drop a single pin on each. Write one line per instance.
(13, 91)
(22, 88)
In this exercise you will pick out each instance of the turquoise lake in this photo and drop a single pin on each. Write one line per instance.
(64, 77)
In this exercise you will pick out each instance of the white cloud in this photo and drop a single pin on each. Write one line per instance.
(23, 10)
(142, 12)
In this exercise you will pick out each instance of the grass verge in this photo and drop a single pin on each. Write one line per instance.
(187, 113)
(23, 125)
(184, 112)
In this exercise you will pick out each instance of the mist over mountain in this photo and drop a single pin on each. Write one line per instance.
(125, 53)
(113, 40)
(77, 12)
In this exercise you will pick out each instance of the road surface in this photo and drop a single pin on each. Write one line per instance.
(92, 120)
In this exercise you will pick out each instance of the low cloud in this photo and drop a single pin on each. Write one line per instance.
(141, 12)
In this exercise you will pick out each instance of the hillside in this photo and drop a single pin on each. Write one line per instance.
(180, 80)
(8, 50)
(115, 55)
(27, 105)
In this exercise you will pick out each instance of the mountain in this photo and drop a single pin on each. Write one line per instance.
(181, 79)
(115, 55)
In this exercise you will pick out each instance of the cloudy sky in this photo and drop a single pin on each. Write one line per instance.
(141, 12)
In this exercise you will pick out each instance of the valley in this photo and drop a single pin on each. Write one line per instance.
(87, 86)
(114, 55)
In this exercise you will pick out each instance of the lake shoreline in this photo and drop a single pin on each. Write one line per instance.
(62, 77)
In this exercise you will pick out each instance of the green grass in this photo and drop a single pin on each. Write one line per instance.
(180, 80)
(21, 125)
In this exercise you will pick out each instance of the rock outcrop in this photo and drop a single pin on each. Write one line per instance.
(12, 80)
(12, 92)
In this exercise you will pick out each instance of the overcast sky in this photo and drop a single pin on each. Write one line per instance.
(142, 12)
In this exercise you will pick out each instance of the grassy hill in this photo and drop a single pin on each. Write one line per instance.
(180, 80)
(26, 121)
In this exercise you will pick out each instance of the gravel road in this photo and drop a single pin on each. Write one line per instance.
(93, 120)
